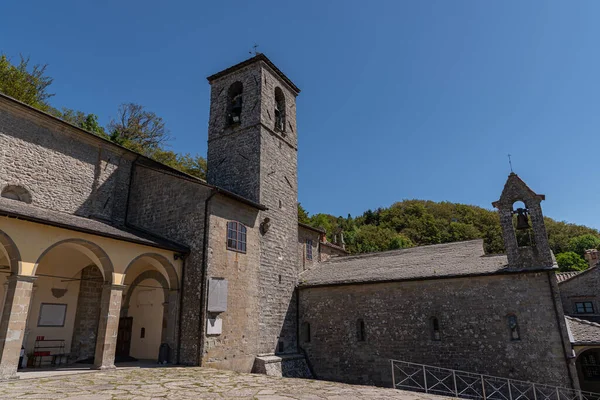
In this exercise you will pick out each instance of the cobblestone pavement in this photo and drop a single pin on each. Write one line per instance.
(190, 383)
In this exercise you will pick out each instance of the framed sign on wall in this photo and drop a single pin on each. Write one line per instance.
(52, 314)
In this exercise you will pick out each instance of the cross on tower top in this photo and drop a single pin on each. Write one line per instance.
(254, 50)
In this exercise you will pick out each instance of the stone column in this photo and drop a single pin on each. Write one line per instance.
(169, 322)
(12, 323)
(108, 326)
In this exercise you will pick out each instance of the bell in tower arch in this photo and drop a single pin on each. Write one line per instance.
(522, 219)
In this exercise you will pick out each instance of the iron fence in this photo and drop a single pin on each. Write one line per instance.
(467, 385)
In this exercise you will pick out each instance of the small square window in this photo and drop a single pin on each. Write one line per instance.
(584, 307)
(309, 244)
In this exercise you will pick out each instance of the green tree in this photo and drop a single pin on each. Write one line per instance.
(570, 261)
(580, 244)
(138, 129)
(25, 82)
(303, 215)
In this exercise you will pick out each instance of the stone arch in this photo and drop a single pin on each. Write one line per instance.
(170, 285)
(150, 274)
(16, 192)
(11, 251)
(90, 249)
(173, 279)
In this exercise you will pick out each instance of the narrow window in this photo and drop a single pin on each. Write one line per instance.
(513, 325)
(360, 330)
(143, 333)
(305, 332)
(584, 307)
(236, 236)
(435, 329)
(234, 103)
(309, 249)
(279, 110)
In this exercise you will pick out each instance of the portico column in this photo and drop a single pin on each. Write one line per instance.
(106, 342)
(12, 323)
(170, 313)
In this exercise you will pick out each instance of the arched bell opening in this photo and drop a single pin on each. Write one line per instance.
(522, 225)
(63, 320)
(149, 311)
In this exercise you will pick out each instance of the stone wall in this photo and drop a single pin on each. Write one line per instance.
(328, 251)
(236, 347)
(581, 288)
(85, 327)
(255, 160)
(473, 321)
(173, 207)
(304, 262)
(62, 167)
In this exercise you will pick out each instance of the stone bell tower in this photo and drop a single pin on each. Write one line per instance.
(252, 152)
(537, 253)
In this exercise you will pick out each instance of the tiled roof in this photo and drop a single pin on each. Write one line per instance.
(564, 276)
(441, 260)
(28, 212)
(335, 246)
(582, 332)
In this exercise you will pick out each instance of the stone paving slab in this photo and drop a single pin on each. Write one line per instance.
(191, 383)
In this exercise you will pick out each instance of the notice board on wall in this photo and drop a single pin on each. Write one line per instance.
(52, 314)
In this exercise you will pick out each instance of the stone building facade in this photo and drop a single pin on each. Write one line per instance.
(120, 256)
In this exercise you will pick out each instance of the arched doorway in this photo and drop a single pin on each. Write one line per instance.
(65, 309)
(588, 370)
(149, 309)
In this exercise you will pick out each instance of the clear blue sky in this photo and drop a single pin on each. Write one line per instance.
(400, 99)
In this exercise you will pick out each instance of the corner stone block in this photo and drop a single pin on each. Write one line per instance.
(12, 325)
(108, 326)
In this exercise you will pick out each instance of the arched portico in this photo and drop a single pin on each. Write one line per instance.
(150, 307)
(588, 368)
(16, 305)
(78, 271)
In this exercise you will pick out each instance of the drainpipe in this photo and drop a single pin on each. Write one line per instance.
(204, 282)
(557, 313)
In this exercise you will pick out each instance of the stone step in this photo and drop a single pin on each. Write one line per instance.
(282, 365)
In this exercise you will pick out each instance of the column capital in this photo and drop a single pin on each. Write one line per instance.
(114, 286)
(21, 278)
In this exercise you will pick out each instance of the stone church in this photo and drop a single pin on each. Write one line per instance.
(107, 255)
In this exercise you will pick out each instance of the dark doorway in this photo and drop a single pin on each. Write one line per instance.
(124, 337)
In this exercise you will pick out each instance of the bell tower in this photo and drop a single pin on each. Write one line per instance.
(252, 152)
(533, 251)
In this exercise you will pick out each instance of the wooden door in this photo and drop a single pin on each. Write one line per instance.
(124, 336)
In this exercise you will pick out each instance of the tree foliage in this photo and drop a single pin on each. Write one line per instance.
(570, 261)
(420, 222)
(579, 244)
(133, 127)
(25, 83)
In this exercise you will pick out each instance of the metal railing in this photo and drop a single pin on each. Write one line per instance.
(467, 385)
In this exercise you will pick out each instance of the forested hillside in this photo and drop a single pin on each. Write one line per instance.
(420, 222)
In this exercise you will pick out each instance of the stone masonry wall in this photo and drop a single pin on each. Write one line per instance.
(87, 315)
(474, 331)
(254, 160)
(279, 247)
(581, 288)
(303, 262)
(236, 347)
(63, 168)
(173, 207)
